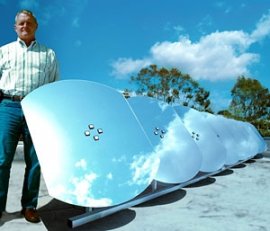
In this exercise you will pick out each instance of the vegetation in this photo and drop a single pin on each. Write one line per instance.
(250, 100)
(171, 86)
(251, 103)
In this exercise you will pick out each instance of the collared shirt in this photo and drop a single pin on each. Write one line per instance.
(23, 69)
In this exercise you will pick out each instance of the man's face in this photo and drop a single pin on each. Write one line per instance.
(26, 27)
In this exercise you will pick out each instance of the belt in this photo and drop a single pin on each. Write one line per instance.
(13, 97)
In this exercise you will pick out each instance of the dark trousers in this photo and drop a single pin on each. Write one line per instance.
(12, 126)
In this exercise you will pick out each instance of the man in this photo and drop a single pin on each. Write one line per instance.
(24, 66)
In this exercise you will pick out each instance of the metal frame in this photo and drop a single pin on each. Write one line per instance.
(93, 214)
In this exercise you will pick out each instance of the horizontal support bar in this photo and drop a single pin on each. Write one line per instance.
(95, 214)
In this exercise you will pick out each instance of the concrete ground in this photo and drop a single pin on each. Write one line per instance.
(236, 199)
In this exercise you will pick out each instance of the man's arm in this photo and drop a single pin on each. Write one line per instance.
(1, 62)
(54, 70)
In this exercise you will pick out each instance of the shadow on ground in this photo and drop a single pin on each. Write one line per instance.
(224, 173)
(203, 182)
(242, 165)
(165, 199)
(55, 217)
(7, 217)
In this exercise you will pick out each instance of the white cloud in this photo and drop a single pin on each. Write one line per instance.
(178, 28)
(144, 169)
(215, 56)
(218, 55)
(125, 66)
(103, 202)
(81, 164)
(171, 151)
(79, 190)
(109, 176)
(82, 187)
(80, 194)
(262, 28)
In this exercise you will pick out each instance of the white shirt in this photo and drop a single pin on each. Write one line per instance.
(23, 69)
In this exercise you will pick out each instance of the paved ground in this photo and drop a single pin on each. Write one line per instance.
(236, 199)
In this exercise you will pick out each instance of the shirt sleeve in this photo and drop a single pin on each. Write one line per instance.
(1, 63)
(54, 70)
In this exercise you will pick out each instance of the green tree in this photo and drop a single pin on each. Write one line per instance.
(250, 102)
(171, 86)
(225, 113)
(126, 93)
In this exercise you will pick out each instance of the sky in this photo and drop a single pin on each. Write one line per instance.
(108, 41)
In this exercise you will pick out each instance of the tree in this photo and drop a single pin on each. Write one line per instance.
(250, 100)
(171, 86)
(225, 113)
(126, 93)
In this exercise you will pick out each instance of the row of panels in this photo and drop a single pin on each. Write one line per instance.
(210, 142)
(97, 149)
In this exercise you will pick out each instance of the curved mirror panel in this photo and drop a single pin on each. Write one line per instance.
(261, 141)
(220, 125)
(213, 151)
(239, 137)
(91, 148)
(253, 139)
(246, 142)
(180, 157)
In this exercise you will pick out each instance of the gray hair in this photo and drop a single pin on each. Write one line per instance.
(28, 12)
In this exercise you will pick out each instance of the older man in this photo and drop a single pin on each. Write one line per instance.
(24, 66)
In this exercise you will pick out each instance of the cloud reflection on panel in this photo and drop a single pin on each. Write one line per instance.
(180, 157)
(91, 148)
(228, 138)
(213, 151)
(240, 137)
(247, 146)
(252, 139)
(261, 142)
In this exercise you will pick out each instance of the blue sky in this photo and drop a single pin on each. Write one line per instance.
(107, 41)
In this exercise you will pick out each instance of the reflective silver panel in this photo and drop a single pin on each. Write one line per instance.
(230, 141)
(246, 144)
(213, 151)
(261, 141)
(91, 148)
(253, 139)
(242, 139)
(180, 157)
